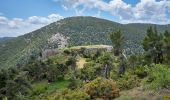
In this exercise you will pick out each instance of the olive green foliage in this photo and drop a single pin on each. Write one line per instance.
(89, 72)
(100, 65)
(14, 84)
(54, 68)
(102, 88)
(141, 71)
(73, 95)
(75, 83)
(159, 77)
(75, 79)
(46, 76)
(128, 81)
(104, 58)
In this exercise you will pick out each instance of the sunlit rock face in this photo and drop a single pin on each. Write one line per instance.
(58, 41)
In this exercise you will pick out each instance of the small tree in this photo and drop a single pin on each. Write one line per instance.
(71, 62)
(132, 61)
(13, 83)
(117, 39)
(106, 61)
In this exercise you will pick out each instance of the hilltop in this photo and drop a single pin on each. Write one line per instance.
(72, 31)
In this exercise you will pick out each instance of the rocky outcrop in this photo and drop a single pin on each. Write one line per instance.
(48, 52)
(58, 41)
(94, 49)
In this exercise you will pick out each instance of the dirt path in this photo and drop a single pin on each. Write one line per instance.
(80, 62)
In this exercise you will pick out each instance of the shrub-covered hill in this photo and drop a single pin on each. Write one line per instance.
(59, 77)
(74, 31)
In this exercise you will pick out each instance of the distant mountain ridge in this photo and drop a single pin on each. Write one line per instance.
(74, 31)
(5, 38)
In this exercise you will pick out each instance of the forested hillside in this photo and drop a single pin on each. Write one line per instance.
(94, 72)
(78, 30)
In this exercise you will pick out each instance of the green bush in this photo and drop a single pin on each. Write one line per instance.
(159, 77)
(89, 72)
(141, 71)
(39, 88)
(75, 84)
(73, 95)
(102, 88)
(128, 81)
(114, 75)
(67, 51)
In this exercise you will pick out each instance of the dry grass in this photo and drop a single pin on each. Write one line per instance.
(80, 62)
(140, 94)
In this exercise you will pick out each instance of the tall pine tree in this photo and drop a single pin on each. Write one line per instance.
(117, 40)
(153, 46)
(167, 45)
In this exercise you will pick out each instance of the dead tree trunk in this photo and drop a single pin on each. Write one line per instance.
(106, 71)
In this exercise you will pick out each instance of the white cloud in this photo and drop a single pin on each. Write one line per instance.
(150, 11)
(98, 14)
(15, 23)
(18, 26)
(3, 20)
(65, 7)
(54, 17)
(79, 11)
(38, 20)
(44, 20)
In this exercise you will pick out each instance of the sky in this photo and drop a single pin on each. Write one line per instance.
(18, 17)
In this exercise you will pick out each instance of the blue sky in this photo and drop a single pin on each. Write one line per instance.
(27, 8)
(18, 17)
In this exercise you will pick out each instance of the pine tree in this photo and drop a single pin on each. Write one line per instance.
(153, 45)
(117, 40)
(167, 45)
